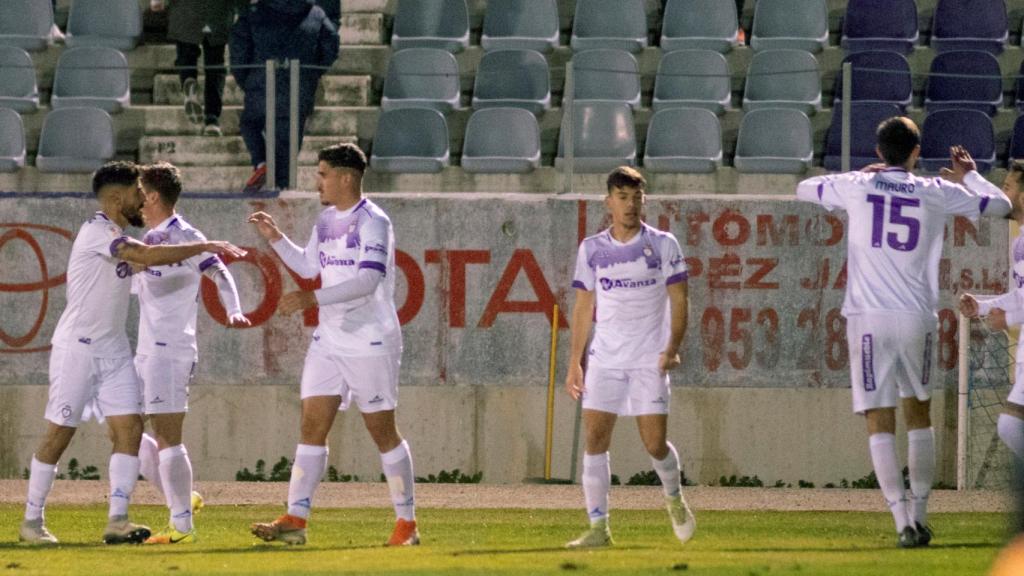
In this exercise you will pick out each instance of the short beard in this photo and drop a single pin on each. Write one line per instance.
(135, 219)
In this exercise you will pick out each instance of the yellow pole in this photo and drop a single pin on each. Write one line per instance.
(549, 431)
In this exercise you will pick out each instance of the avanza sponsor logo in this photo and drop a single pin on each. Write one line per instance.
(609, 283)
(328, 260)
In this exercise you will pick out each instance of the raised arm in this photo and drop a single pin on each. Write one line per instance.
(970, 194)
(136, 252)
(301, 261)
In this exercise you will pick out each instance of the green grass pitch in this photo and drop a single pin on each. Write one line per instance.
(489, 541)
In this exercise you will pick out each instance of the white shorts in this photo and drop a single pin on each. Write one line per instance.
(632, 392)
(108, 386)
(1017, 392)
(372, 381)
(890, 358)
(165, 383)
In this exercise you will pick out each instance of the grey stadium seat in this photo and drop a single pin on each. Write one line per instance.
(442, 24)
(792, 24)
(410, 140)
(112, 23)
(26, 24)
(774, 140)
(618, 24)
(501, 140)
(12, 141)
(783, 79)
(693, 78)
(517, 78)
(699, 25)
(683, 140)
(93, 76)
(603, 137)
(606, 74)
(422, 78)
(75, 140)
(521, 25)
(18, 89)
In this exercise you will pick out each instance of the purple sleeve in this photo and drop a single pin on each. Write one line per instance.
(211, 261)
(116, 244)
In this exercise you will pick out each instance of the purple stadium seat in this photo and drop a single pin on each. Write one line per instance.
(864, 120)
(982, 90)
(970, 25)
(878, 76)
(1017, 140)
(968, 128)
(880, 25)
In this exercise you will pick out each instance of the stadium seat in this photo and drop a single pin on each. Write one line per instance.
(683, 140)
(91, 76)
(603, 137)
(783, 79)
(699, 25)
(75, 140)
(516, 78)
(410, 140)
(1017, 140)
(1020, 87)
(18, 89)
(12, 141)
(501, 140)
(878, 76)
(968, 128)
(880, 25)
(521, 25)
(864, 120)
(774, 141)
(606, 74)
(422, 78)
(112, 23)
(26, 24)
(969, 25)
(620, 24)
(790, 24)
(693, 78)
(442, 24)
(982, 90)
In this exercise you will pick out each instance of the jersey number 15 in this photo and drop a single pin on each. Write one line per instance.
(896, 219)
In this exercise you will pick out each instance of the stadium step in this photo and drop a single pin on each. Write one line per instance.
(223, 151)
(334, 90)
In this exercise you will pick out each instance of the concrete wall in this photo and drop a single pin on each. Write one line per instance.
(763, 390)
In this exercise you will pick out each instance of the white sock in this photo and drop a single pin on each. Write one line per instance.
(40, 481)
(397, 464)
(921, 461)
(124, 471)
(890, 477)
(310, 462)
(176, 471)
(1011, 432)
(597, 479)
(668, 472)
(149, 464)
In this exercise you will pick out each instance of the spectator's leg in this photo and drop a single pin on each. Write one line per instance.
(186, 61)
(251, 125)
(213, 62)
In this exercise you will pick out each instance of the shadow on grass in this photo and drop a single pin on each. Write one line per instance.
(544, 550)
(848, 549)
(261, 549)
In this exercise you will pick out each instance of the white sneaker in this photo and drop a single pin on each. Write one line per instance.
(34, 532)
(598, 536)
(683, 522)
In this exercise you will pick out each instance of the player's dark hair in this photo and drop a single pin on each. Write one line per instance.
(117, 173)
(625, 176)
(164, 179)
(344, 155)
(897, 138)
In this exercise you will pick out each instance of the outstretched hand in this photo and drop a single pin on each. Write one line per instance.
(962, 163)
(266, 226)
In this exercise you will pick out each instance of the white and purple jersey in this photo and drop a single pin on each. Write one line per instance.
(98, 289)
(342, 243)
(1013, 301)
(169, 294)
(632, 310)
(895, 232)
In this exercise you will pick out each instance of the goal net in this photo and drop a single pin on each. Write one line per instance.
(985, 378)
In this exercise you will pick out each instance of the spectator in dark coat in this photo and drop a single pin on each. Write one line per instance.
(200, 26)
(279, 30)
